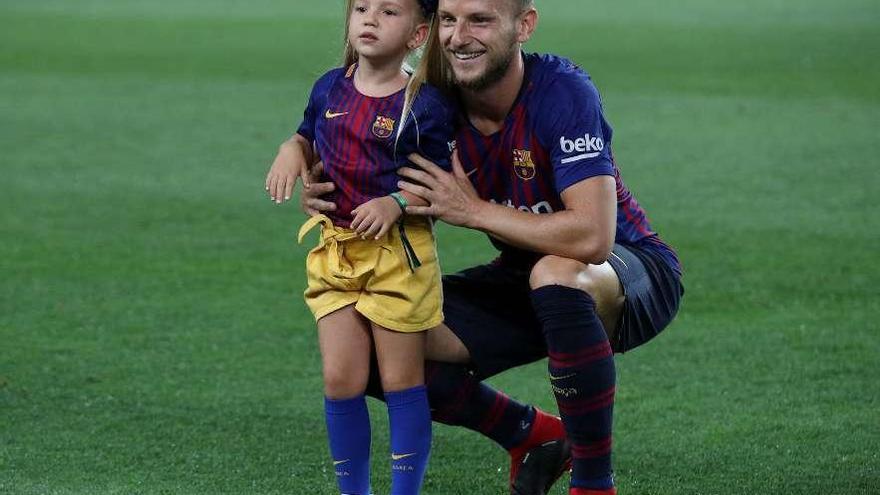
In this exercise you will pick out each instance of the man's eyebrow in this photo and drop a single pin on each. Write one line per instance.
(480, 13)
(487, 14)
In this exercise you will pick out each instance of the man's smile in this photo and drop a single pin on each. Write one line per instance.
(467, 55)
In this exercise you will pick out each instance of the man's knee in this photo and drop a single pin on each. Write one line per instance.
(556, 270)
(443, 345)
(600, 282)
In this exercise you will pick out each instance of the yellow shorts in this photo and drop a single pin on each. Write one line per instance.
(375, 276)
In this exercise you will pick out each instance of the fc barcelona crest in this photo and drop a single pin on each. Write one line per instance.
(523, 164)
(383, 127)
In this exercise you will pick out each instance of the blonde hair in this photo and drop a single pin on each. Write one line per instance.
(349, 54)
(432, 69)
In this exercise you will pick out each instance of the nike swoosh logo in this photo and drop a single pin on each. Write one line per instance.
(336, 463)
(563, 377)
(397, 457)
(332, 115)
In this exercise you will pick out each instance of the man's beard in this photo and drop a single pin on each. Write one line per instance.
(497, 67)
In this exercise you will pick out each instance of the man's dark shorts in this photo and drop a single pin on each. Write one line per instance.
(489, 309)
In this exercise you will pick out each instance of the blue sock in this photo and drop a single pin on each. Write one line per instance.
(409, 419)
(348, 430)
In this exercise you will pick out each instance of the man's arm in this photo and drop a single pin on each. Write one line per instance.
(310, 198)
(584, 231)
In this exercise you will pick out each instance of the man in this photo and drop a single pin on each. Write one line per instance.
(580, 272)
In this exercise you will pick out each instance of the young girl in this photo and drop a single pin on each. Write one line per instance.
(373, 279)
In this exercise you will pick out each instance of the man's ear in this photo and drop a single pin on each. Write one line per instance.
(525, 24)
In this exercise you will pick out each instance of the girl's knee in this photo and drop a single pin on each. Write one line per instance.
(342, 382)
(397, 380)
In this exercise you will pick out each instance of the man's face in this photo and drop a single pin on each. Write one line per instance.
(479, 40)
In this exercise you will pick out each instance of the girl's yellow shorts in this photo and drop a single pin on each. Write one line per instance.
(374, 275)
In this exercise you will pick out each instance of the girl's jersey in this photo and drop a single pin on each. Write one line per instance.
(554, 136)
(356, 136)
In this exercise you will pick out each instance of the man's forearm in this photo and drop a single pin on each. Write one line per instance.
(565, 233)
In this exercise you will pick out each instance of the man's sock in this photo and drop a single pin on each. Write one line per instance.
(348, 429)
(582, 376)
(586, 491)
(409, 419)
(459, 399)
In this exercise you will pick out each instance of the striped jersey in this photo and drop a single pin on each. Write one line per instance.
(356, 136)
(554, 136)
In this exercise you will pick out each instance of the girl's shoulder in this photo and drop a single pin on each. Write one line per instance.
(431, 100)
(326, 81)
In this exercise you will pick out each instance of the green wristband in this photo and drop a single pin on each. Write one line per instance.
(401, 201)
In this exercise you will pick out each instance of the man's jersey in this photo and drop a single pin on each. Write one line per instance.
(356, 136)
(554, 136)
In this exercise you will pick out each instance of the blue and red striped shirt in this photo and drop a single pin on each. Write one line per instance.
(356, 136)
(554, 136)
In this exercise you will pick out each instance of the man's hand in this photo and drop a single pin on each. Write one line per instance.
(310, 199)
(375, 217)
(289, 165)
(451, 197)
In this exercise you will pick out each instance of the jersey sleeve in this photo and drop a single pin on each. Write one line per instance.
(317, 102)
(573, 127)
(429, 131)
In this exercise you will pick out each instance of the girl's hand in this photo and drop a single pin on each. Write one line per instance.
(375, 217)
(289, 165)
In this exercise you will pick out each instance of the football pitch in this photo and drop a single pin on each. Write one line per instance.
(153, 338)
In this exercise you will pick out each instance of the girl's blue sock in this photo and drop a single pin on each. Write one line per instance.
(409, 419)
(348, 430)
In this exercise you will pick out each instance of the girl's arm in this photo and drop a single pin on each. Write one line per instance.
(292, 162)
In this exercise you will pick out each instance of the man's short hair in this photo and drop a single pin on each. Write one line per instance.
(523, 5)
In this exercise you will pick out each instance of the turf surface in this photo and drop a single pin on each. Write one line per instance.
(152, 336)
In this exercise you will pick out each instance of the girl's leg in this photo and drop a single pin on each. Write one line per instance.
(344, 339)
(401, 358)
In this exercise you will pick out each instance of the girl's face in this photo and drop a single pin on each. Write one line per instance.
(386, 28)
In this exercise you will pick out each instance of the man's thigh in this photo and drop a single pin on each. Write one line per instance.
(488, 308)
(652, 294)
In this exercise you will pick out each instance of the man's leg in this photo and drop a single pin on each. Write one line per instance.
(492, 328)
(653, 292)
(495, 330)
(459, 398)
(534, 439)
(568, 297)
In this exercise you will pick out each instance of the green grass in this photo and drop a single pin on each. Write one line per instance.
(152, 335)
